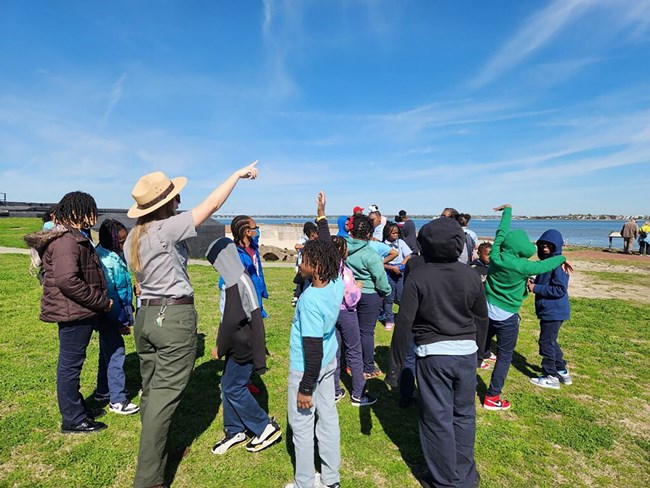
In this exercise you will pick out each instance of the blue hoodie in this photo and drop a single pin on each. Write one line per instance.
(341, 221)
(551, 289)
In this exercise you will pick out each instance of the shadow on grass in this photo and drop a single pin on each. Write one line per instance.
(401, 425)
(523, 366)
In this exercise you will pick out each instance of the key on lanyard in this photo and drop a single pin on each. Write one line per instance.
(161, 316)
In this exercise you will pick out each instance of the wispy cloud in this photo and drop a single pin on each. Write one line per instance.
(280, 28)
(116, 95)
(542, 28)
(536, 32)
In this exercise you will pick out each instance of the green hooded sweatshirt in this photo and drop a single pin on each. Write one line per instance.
(510, 268)
(367, 266)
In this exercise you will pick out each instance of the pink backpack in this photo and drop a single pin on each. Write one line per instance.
(351, 293)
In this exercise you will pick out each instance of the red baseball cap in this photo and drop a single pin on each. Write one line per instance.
(357, 209)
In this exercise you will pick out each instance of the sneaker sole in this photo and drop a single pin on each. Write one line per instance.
(542, 385)
(486, 407)
(125, 412)
(268, 442)
(358, 405)
(569, 382)
(81, 432)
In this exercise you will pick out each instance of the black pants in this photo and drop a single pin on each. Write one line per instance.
(73, 341)
(448, 418)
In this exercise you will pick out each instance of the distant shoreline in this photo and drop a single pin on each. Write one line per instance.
(595, 218)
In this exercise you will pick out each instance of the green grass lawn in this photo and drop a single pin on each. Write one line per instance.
(12, 230)
(593, 433)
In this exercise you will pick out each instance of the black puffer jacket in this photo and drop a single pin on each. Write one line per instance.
(74, 286)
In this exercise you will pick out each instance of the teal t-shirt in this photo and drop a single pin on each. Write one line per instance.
(316, 314)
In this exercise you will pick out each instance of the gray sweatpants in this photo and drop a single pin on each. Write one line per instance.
(328, 433)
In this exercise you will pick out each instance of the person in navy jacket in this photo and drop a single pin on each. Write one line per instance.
(552, 308)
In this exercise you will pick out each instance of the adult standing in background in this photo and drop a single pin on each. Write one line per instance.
(165, 326)
(378, 224)
(74, 295)
(629, 231)
(410, 234)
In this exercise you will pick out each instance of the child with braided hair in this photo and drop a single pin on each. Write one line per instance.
(111, 380)
(246, 235)
(367, 266)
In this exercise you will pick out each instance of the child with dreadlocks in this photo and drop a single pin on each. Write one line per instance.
(74, 295)
(111, 380)
(312, 361)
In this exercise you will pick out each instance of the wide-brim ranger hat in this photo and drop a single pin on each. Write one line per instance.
(152, 191)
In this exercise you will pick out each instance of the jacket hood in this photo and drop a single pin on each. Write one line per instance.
(341, 222)
(223, 255)
(518, 243)
(41, 239)
(441, 240)
(355, 245)
(554, 237)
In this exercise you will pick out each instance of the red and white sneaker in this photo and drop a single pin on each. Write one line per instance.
(485, 365)
(493, 357)
(495, 403)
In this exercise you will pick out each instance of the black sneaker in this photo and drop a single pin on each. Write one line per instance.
(272, 433)
(362, 401)
(229, 442)
(86, 426)
(339, 396)
(95, 413)
(124, 408)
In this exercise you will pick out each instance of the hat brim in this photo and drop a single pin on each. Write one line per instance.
(135, 211)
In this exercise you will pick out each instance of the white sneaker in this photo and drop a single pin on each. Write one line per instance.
(272, 433)
(546, 382)
(565, 377)
(124, 408)
(228, 442)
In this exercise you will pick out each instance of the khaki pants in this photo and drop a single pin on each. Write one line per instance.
(167, 353)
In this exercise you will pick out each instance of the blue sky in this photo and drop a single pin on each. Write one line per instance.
(407, 104)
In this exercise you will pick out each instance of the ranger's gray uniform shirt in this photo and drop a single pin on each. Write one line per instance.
(163, 257)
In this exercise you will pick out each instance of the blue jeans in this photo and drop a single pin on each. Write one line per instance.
(367, 312)
(111, 380)
(73, 340)
(240, 410)
(549, 349)
(396, 283)
(448, 418)
(506, 332)
(347, 330)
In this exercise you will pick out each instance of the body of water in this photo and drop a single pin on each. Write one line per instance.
(575, 232)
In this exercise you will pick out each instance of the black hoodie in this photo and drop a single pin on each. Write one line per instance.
(443, 299)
